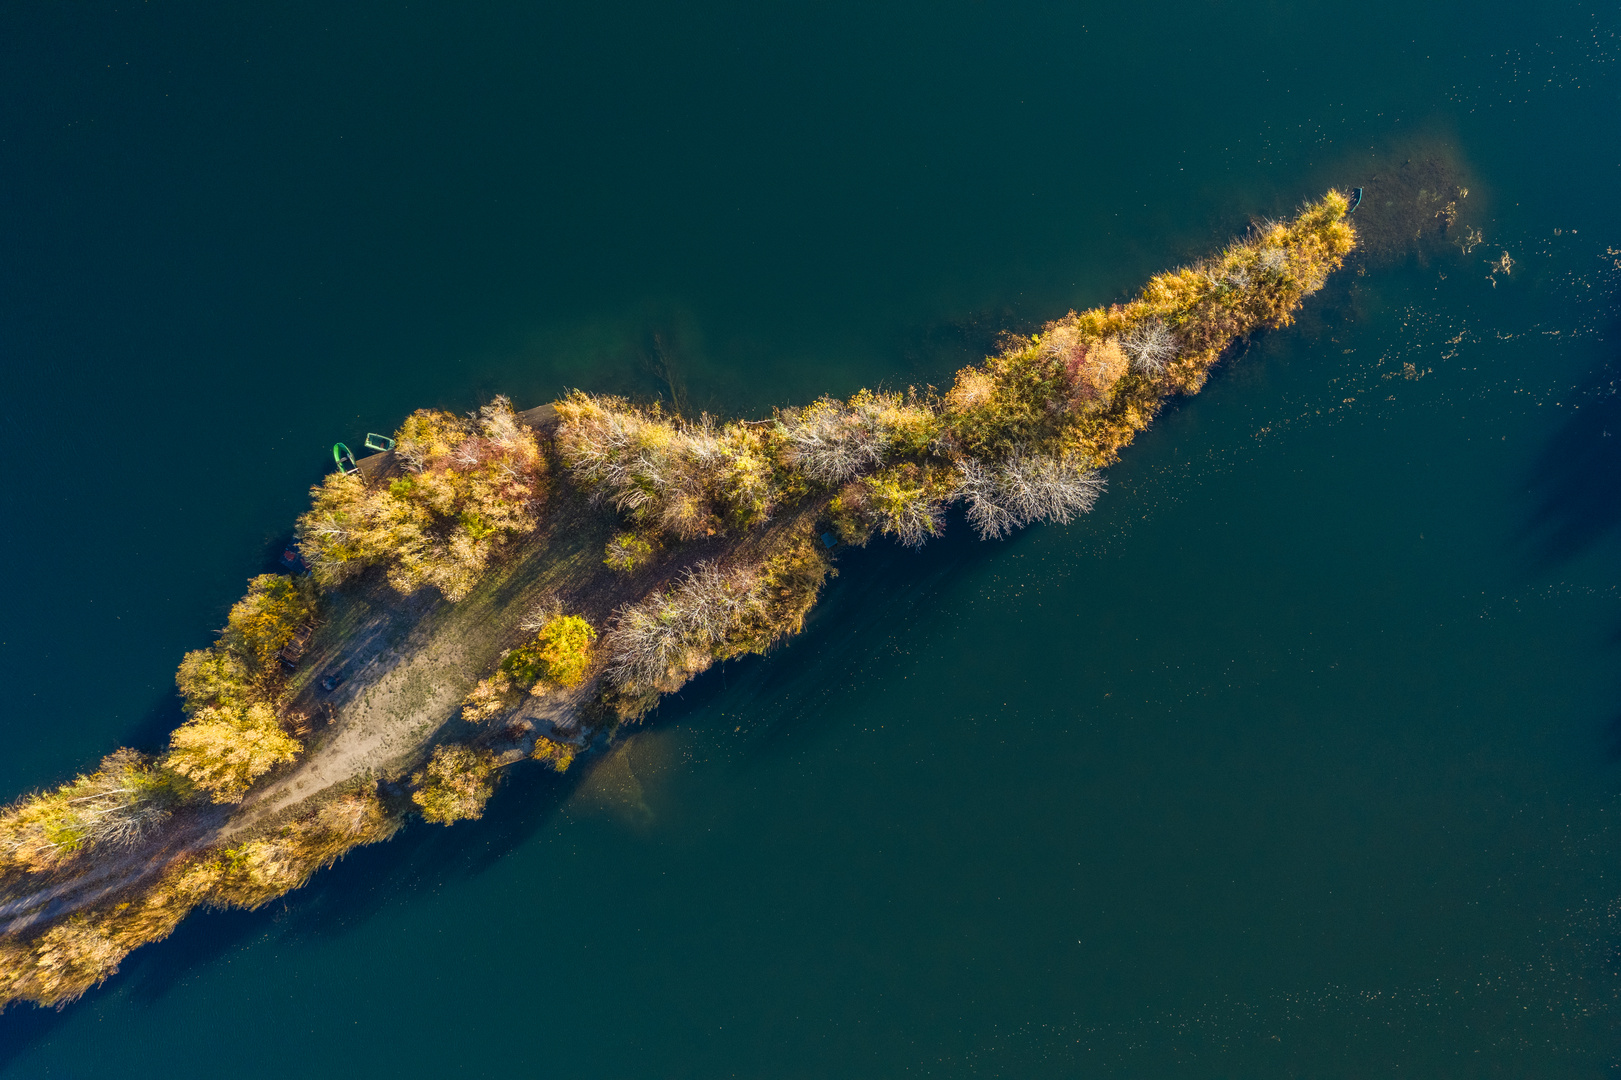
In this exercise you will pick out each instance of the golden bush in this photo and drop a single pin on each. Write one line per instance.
(455, 784)
(223, 749)
(468, 486)
(558, 755)
(491, 696)
(559, 655)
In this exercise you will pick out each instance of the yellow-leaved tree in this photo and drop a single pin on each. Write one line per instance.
(455, 785)
(559, 655)
(223, 749)
(465, 487)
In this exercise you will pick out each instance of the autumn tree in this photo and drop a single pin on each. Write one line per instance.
(223, 749)
(118, 805)
(468, 486)
(455, 784)
(558, 755)
(559, 655)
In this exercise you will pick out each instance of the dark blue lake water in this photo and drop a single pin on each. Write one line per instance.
(1300, 757)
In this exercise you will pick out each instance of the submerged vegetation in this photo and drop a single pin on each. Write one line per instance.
(717, 550)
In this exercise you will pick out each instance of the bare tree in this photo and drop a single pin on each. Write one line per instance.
(672, 635)
(915, 522)
(1026, 488)
(541, 613)
(121, 817)
(830, 441)
(1150, 346)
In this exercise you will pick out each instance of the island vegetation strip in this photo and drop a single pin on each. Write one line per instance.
(468, 604)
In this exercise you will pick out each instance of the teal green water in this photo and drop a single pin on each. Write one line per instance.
(1298, 758)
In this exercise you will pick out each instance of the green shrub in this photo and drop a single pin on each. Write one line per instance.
(559, 655)
(628, 552)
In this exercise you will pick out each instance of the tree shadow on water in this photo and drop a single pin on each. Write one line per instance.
(872, 608)
(23, 1026)
(1575, 482)
(337, 901)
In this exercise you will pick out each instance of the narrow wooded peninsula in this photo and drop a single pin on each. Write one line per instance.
(512, 586)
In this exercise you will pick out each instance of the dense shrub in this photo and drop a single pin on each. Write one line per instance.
(627, 552)
(671, 636)
(558, 755)
(1018, 438)
(117, 806)
(684, 479)
(259, 870)
(491, 696)
(905, 501)
(455, 784)
(468, 485)
(243, 666)
(713, 612)
(559, 655)
(830, 441)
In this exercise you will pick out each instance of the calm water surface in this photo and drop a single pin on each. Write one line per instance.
(1298, 758)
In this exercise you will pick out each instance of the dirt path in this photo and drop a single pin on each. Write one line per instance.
(407, 663)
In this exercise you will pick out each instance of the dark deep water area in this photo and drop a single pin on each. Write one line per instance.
(1301, 757)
